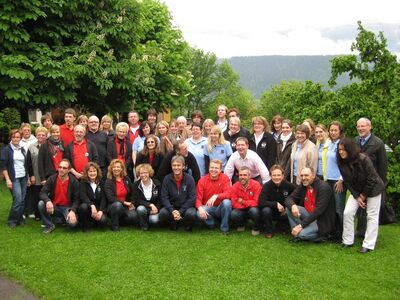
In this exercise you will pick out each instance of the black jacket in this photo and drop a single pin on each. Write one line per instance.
(112, 154)
(140, 199)
(182, 199)
(91, 152)
(96, 198)
(111, 190)
(361, 177)
(266, 148)
(243, 132)
(283, 157)
(191, 167)
(100, 140)
(375, 149)
(47, 192)
(271, 194)
(7, 161)
(45, 162)
(155, 164)
(324, 212)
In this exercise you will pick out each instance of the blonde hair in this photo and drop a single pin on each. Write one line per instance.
(41, 129)
(106, 118)
(206, 121)
(261, 120)
(110, 167)
(162, 122)
(221, 139)
(146, 167)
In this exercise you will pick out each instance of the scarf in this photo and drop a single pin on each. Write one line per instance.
(120, 146)
(53, 144)
(284, 139)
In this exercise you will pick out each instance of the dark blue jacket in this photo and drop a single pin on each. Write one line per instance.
(7, 161)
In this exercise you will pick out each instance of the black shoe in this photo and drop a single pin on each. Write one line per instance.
(49, 229)
(295, 240)
(189, 228)
(225, 233)
(365, 250)
(115, 228)
(173, 226)
(346, 245)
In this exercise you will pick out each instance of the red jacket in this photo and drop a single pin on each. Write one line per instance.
(249, 196)
(206, 187)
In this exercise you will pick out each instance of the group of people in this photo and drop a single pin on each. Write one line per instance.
(216, 172)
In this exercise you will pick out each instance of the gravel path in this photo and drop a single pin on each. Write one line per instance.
(11, 290)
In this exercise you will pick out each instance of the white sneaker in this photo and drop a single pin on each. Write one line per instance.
(255, 232)
(241, 228)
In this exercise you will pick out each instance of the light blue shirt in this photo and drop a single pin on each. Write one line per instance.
(320, 149)
(221, 152)
(296, 154)
(332, 169)
(138, 144)
(197, 149)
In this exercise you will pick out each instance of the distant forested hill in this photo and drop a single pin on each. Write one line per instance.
(259, 73)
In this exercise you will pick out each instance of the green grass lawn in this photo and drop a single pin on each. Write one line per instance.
(160, 264)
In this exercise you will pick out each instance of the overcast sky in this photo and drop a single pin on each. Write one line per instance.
(282, 27)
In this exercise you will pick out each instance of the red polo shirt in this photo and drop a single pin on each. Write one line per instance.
(61, 192)
(121, 190)
(249, 195)
(81, 156)
(57, 158)
(67, 135)
(309, 201)
(133, 136)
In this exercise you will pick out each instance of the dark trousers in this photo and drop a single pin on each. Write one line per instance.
(188, 218)
(268, 215)
(85, 216)
(239, 217)
(32, 200)
(119, 213)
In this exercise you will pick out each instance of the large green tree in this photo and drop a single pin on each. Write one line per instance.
(107, 55)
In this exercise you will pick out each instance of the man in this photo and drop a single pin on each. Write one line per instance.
(212, 197)
(100, 140)
(222, 121)
(133, 130)
(272, 201)
(67, 129)
(235, 131)
(191, 166)
(374, 147)
(47, 121)
(244, 195)
(80, 151)
(178, 195)
(245, 157)
(59, 197)
(311, 208)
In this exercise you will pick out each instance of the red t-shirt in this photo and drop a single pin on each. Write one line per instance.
(81, 156)
(57, 158)
(121, 190)
(178, 182)
(133, 136)
(67, 135)
(61, 192)
(309, 201)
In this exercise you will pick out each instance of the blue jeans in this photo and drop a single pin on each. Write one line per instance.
(340, 201)
(308, 233)
(18, 192)
(60, 214)
(145, 217)
(239, 217)
(222, 211)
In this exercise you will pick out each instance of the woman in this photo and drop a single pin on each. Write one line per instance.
(366, 187)
(50, 154)
(118, 190)
(311, 125)
(146, 192)
(196, 145)
(166, 145)
(106, 125)
(93, 199)
(333, 176)
(276, 126)
(284, 147)
(120, 147)
(321, 134)
(13, 165)
(150, 154)
(262, 142)
(144, 131)
(206, 128)
(304, 154)
(82, 120)
(33, 167)
(217, 147)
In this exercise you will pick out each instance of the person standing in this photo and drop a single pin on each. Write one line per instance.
(100, 140)
(366, 188)
(67, 129)
(13, 165)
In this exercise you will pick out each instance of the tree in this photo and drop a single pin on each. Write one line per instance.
(108, 55)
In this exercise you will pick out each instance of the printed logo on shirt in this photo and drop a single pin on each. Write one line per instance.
(285, 194)
(87, 154)
(184, 188)
(222, 151)
(251, 194)
(155, 192)
(263, 144)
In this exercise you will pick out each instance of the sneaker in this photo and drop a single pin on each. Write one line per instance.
(31, 216)
(241, 229)
(255, 232)
(49, 229)
(225, 233)
(268, 235)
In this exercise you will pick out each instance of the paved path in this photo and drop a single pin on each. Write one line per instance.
(12, 291)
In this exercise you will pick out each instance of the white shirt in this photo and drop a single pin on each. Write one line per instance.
(147, 190)
(252, 161)
(19, 161)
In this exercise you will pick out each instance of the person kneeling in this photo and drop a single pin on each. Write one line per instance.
(146, 192)
(59, 198)
(311, 208)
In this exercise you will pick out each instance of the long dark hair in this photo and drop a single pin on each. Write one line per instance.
(352, 149)
(143, 125)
